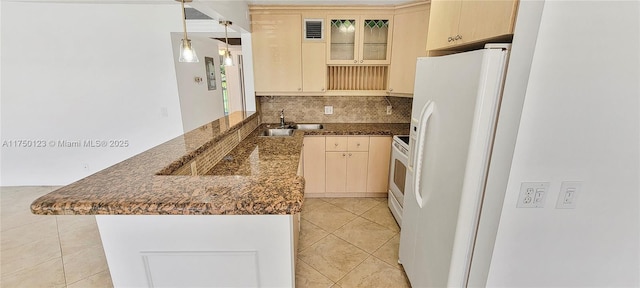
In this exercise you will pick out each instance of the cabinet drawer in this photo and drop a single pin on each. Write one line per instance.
(358, 143)
(336, 144)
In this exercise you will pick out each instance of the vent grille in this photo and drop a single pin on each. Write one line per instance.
(357, 77)
(313, 29)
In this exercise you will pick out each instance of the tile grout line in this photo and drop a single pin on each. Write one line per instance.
(85, 278)
(354, 244)
(64, 272)
(368, 254)
(354, 268)
(325, 236)
(325, 276)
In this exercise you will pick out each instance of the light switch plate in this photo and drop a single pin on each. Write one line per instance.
(569, 191)
(532, 194)
(328, 110)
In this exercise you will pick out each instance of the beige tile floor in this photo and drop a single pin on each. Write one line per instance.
(344, 242)
(47, 251)
(348, 242)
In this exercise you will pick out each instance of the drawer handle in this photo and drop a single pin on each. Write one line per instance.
(349, 154)
(336, 144)
(343, 155)
(358, 144)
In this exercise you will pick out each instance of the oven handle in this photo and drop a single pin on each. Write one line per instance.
(427, 111)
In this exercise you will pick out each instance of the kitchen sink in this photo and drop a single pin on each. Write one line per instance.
(308, 126)
(276, 132)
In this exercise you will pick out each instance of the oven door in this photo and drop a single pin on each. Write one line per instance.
(398, 173)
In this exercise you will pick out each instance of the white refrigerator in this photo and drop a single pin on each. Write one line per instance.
(455, 107)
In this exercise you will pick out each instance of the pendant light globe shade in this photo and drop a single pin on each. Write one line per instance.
(228, 60)
(187, 54)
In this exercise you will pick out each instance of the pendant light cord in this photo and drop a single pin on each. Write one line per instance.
(226, 36)
(184, 20)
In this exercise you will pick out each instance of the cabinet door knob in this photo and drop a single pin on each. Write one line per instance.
(390, 89)
(458, 37)
(358, 144)
(361, 61)
(343, 155)
(349, 154)
(355, 61)
(450, 39)
(299, 89)
(336, 144)
(322, 89)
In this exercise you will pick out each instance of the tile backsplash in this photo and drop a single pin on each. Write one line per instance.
(352, 109)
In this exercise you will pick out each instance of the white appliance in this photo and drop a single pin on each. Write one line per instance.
(397, 175)
(455, 107)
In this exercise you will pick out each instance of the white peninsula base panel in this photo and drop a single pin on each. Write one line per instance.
(200, 250)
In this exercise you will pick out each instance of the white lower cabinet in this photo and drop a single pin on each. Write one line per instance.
(200, 250)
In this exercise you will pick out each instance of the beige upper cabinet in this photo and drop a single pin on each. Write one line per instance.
(314, 68)
(359, 40)
(463, 22)
(277, 52)
(410, 27)
(487, 19)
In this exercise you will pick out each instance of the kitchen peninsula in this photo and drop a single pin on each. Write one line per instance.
(218, 206)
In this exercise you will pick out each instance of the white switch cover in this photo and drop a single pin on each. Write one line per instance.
(389, 109)
(568, 195)
(532, 194)
(328, 110)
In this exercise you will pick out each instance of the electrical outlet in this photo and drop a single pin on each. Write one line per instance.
(532, 194)
(568, 196)
(328, 110)
(389, 110)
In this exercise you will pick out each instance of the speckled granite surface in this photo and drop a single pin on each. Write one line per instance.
(257, 177)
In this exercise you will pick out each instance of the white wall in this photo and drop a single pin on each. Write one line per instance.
(84, 71)
(234, 85)
(198, 105)
(580, 122)
(237, 11)
(249, 88)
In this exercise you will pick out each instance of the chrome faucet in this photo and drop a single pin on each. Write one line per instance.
(282, 118)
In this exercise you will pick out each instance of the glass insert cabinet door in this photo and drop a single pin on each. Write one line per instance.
(343, 39)
(375, 37)
(359, 40)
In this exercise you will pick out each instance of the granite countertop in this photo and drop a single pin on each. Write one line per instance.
(259, 176)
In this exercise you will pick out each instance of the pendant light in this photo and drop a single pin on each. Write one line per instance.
(187, 54)
(228, 60)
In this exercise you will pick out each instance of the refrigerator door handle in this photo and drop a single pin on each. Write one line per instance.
(426, 113)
